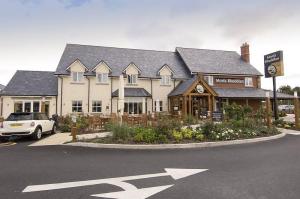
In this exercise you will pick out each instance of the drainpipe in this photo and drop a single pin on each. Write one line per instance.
(111, 82)
(56, 104)
(88, 94)
(61, 94)
(151, 94)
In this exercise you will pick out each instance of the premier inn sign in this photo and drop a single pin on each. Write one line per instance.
(274, 64)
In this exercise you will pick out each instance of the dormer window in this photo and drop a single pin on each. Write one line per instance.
(77, 76)
(209, 80)
(165, 80)
(132, 78)
(102, 77)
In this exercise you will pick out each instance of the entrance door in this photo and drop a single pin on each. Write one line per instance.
(199, 106)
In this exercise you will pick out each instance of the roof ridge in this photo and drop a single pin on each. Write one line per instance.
(207, 49)
(122, 48)
(35, 71)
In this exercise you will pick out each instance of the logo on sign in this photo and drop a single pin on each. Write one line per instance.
(274, 64)
(199, 88)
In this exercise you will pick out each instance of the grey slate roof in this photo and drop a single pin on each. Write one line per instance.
(215, 62)
(31, 83)
(182, 87)
(1, 87)
(248, 93)
(148, 61)
(132, 92)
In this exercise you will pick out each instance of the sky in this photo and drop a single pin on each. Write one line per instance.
(33, 33)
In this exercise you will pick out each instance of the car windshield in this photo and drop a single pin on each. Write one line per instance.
(19, 116)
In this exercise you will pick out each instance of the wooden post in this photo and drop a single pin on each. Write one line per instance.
(296, 110)
(190, 105)
(209, 106)
(1, 119)
(268, 112)
(184, 106)
(74, 133)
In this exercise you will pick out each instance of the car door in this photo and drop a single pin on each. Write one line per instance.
(47, 123)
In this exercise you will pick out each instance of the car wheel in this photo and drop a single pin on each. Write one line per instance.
(53, 129)
(38, 134)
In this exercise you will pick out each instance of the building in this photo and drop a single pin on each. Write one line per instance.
(192, 81)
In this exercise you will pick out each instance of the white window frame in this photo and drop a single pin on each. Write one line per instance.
(132, 78)
(102, 77)
(77, 106)
(165, 80)
(77, 76)
(248, 82)
(209, 79)
(96, 106)
(160, 105)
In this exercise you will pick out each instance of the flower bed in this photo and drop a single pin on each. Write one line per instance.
(209, 131)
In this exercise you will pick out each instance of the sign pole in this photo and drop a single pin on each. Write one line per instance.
(275, 106)
(296, 110)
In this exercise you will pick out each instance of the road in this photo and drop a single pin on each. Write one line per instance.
(267, 170)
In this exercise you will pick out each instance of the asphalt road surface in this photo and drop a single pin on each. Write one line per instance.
(267, 170)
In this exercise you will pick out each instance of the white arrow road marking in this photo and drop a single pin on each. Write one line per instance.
(174, 173)
(136, 194)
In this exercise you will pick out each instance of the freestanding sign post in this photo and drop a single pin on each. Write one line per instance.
(273, 68)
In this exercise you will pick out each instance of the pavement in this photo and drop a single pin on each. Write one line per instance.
(266, 170)
(61, 138)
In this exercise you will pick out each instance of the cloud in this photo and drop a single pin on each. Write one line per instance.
(74, 3)
(246, 21)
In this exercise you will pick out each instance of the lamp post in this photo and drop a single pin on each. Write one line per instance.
(268, 112)
(296, 110)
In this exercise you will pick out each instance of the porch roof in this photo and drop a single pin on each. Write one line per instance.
(132, 92)
(248, 93)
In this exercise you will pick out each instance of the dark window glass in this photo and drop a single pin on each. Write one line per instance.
(19, 116)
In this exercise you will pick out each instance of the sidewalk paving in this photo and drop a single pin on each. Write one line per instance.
(61, 138)
(290, 132)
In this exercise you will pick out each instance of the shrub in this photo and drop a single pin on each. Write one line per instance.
(207, 128)
(187, 133)
(177, 135)
(166, 125)
(199, 137)
(120, 131)
(190, 120)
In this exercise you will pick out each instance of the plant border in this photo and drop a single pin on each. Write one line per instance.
(176, 146)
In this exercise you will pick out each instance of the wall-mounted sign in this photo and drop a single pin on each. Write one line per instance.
(230, 81)
(199, 88)
(274, 64)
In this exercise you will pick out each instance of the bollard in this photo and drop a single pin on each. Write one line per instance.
(296, 110)
(1, 119)
(74, 133)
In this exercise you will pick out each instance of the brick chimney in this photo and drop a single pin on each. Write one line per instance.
(245, 52)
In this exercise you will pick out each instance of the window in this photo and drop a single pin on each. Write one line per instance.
(209, 80)
(27, 107)
(76, 106)
(77, 76)
(248, 82)
(18, 107)
(36, 106)
(102, 77)
(165, 80)
(131, 79)
(97, 106)
(158, 106)
(134, 106)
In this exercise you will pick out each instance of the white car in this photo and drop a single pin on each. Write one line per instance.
(27, 124)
